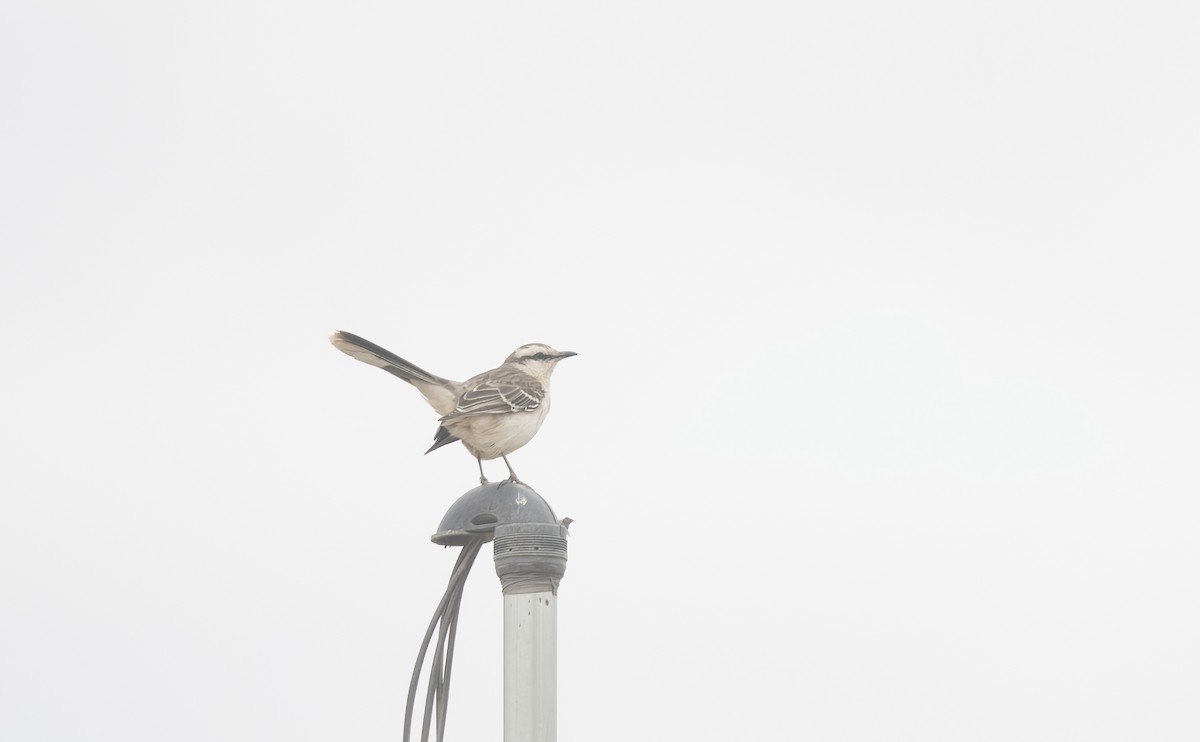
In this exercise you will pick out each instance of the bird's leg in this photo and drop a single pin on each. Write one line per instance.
(482, 479)
(512, 475)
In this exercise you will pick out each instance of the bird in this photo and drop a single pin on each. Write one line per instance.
(492, 414)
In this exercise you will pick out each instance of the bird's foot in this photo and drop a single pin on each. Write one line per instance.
(513, 480)
(483, 480)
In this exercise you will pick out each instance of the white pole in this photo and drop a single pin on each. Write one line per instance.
(531, 667)
(531, 558)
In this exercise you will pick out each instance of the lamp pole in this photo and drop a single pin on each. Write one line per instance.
(530, 552)
(530, 559)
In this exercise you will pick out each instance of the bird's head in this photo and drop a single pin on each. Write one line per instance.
(537, 358)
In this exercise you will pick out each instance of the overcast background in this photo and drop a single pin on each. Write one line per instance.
(883, 425)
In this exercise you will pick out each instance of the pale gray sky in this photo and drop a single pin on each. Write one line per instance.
(883, 425)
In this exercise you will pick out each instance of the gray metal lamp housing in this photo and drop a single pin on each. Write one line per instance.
(488, 507)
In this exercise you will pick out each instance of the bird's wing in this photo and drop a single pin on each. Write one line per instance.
(441, 438)
(498, 392)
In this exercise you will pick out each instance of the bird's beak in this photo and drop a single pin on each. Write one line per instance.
(567, 354)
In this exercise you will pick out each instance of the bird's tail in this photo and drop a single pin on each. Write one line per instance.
(368, 352)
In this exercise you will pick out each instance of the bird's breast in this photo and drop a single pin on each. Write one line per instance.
(493, 436)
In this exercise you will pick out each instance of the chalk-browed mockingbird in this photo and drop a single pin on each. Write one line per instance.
(493, 414)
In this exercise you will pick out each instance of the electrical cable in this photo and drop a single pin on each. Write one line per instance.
(445, 619)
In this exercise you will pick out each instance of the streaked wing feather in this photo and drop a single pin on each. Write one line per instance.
(499, 392)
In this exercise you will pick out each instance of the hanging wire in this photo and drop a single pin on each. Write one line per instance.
(445, 619)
